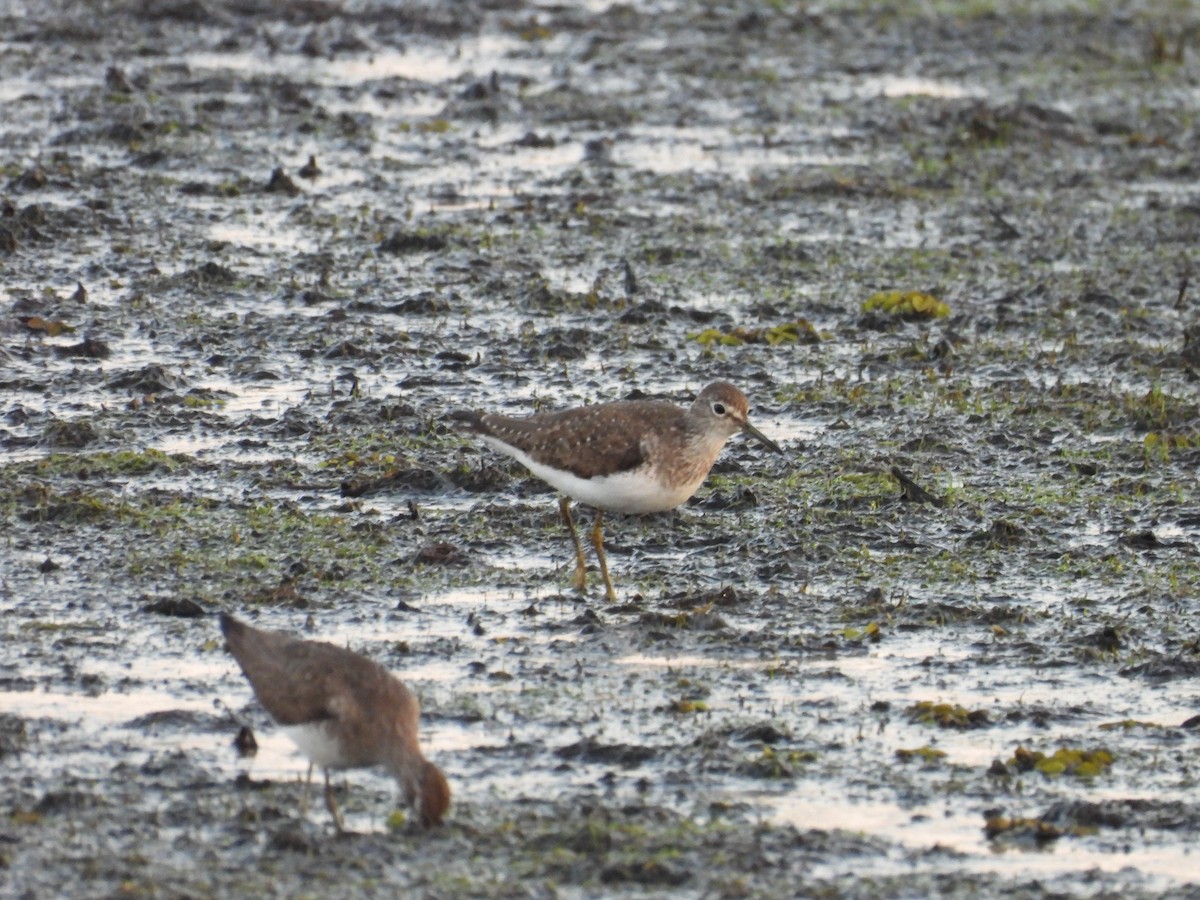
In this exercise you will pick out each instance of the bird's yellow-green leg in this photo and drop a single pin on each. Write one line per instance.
(598, 543)
(331, 805)
(579, 580)
(307, 791)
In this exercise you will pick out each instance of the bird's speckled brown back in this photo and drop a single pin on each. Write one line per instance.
(610, 438)
(591, 441)
(302, 682)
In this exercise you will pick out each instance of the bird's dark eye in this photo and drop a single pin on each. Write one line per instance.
(718, 408)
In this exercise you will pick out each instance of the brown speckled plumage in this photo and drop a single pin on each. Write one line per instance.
(367, 714)
(603, 439)
(631, 456)
(625, 435)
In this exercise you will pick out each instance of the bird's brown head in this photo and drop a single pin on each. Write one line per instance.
(433, 799)
(723, 404)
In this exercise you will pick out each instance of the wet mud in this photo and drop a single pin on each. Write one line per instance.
(253, 253)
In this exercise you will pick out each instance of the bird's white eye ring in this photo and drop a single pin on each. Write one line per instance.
(718, 408)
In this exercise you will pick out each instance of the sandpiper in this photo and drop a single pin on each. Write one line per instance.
(628, 456)
(342, 710)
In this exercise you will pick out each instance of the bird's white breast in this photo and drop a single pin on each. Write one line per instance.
(317, 743)
(634, 492)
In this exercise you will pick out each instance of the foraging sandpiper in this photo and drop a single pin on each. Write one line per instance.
(342, 710)
(628, 456)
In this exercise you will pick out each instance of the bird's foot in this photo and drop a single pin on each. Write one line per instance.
(579, 580)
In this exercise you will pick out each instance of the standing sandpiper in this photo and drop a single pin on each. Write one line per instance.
(342, 710)
(629, 456)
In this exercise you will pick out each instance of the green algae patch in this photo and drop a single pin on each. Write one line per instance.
(774, 764)
(1064, 761)
(204, 401)
(947, 715)
(700, 619)
(1158, 411)
(800, 331)
(1030, 830)
(38, 503)
(907, 304)
(256, 550)
(1160, 445)
(926, 754)
(105, 464)
(1129, 725)
(870, 633)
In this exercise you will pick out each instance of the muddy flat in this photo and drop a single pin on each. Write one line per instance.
(254, 254)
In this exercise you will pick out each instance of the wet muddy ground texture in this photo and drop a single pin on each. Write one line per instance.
(251, 255)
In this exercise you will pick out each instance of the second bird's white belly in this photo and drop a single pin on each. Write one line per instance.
(316, 743)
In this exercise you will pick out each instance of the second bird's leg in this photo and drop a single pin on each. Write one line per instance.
(579, 580)
(331, 805)
(306, 792)
(598, 543)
